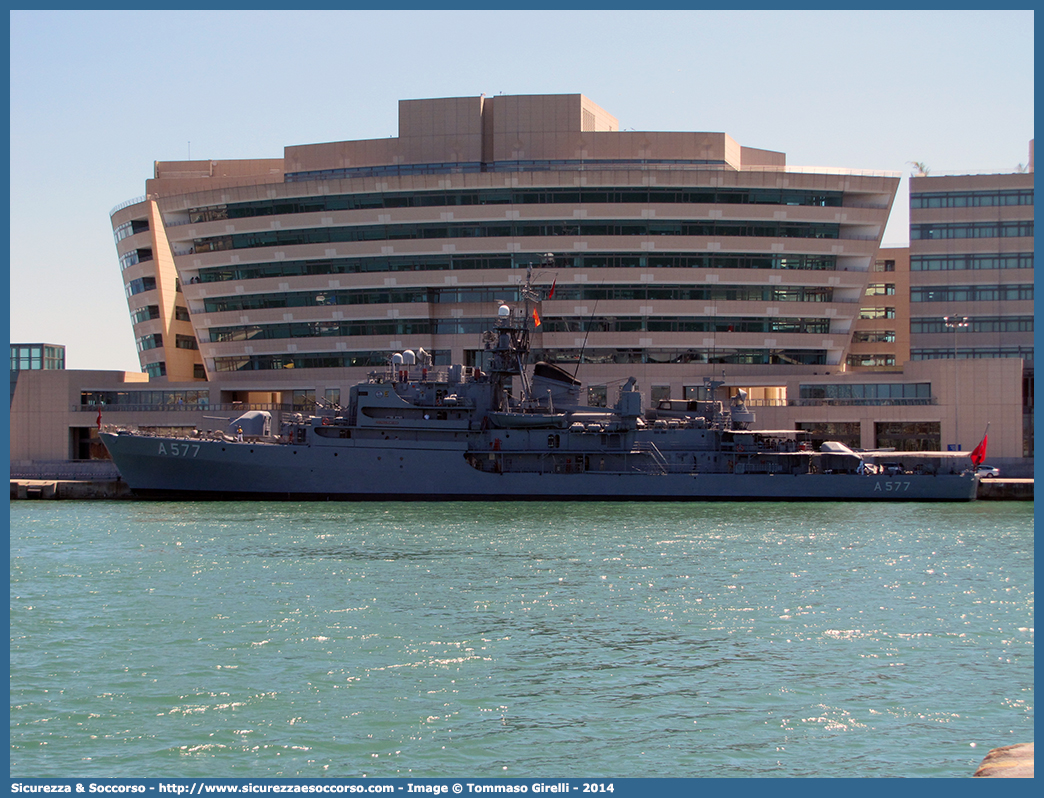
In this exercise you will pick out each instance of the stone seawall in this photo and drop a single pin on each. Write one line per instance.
(69, 489)
(1006, 489)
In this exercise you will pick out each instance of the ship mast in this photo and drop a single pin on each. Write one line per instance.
(508, 343)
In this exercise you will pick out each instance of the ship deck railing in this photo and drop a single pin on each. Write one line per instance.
(643, 458)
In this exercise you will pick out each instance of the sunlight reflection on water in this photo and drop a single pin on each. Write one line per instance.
(515, 640)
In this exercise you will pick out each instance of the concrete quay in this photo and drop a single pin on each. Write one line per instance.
(69, 489)
(1006, 489)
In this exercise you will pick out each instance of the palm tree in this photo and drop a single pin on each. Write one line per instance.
(921, 167)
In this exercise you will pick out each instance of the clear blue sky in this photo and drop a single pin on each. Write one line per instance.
(96, 97)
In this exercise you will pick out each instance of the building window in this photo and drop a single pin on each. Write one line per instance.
(871, 361)
(846, 432)
(874, 337)
(147, 400)
(322, 360)
(517, 228)
(947, 353)
(551, 324)
(130, 228)
(156, 369)
(971, 199)
(880, 289)
(873, 393)
(140, 285)
(32, 357)
(908, 436)
(135, 256)
(303, 401)
(456, 296)
(982, 324)
(972, 293)
(764, 356)
(937, 231)
(152, 341)
(658, 392)
(618, 260)
(945, 263)
(697, 392)
(877, 313)
(597, 396)
(145, 314)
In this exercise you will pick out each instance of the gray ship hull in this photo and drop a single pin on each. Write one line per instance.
(440, 471)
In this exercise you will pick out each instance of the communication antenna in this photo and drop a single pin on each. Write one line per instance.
(594, 310)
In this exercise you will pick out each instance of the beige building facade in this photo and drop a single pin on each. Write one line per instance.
(971, 273)
(881, 333)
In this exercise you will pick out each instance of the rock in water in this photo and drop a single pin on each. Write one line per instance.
(1009, 762)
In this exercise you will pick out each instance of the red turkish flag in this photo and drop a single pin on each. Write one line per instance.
(979, 452)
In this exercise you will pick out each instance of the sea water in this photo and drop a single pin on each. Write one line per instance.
(518, 640)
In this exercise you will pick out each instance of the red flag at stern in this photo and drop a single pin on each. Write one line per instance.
(979, 452)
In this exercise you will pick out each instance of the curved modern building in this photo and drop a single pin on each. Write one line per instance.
(675, 255)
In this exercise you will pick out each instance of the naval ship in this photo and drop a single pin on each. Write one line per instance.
(416, 432)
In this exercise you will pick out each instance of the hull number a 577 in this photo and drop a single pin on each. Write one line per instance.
(178, 449)
(895, 485)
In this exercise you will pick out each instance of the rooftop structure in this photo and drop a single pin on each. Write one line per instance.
(33, 357)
